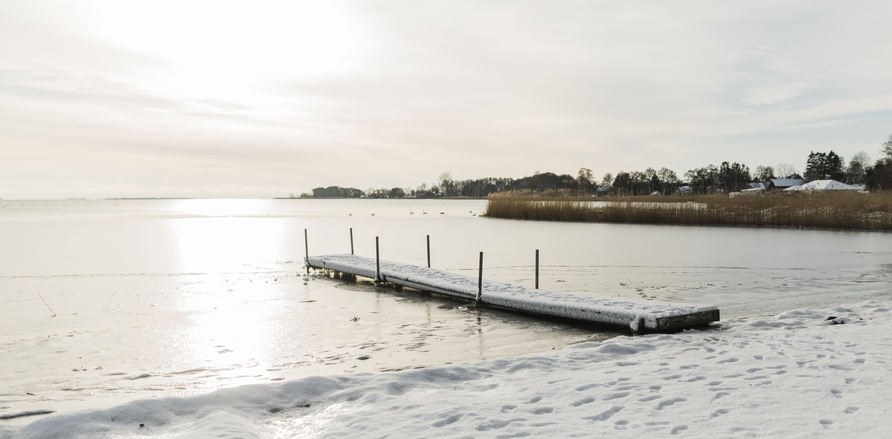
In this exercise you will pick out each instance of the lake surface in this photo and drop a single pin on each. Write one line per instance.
(107, 301)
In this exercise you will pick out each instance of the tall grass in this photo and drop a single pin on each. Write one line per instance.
(838, 210)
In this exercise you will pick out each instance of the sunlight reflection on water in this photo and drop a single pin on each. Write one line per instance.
(225, 244)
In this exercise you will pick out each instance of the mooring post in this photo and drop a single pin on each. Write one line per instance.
(351, 240)
(480, 282)
(377, 262)
(428, 251)
(306, 252)
(537, 268)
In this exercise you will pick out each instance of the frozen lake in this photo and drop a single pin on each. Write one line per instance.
(177, 297)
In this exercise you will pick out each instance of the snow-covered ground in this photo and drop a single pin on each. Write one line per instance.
(796, 374)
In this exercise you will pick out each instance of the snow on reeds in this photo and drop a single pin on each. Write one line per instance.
(840, 210)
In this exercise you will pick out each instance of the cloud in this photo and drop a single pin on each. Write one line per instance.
(476, 88)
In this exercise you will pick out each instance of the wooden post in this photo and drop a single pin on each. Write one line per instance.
(306, 252)
(537, 268)
(377, 262)
(428, 251)
(480, 282)
(351, 240)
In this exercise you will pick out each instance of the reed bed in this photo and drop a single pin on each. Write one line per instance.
(835, 210)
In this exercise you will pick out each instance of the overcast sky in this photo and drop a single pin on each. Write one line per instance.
(265, 98)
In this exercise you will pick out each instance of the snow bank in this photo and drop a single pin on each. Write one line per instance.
(624, 312)
(803, 373)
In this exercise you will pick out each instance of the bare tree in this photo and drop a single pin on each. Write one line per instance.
(667, 176)
(764, 173)
(785, 170)
(446, 183)
(584, 180)
(855, 172)
(887, 148)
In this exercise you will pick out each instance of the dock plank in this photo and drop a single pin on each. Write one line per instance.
(636, 314)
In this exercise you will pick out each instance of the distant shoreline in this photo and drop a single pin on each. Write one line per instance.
(403, 198)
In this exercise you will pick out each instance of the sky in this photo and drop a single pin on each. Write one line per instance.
(216, 98)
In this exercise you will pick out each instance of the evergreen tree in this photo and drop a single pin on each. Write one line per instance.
(821, 166)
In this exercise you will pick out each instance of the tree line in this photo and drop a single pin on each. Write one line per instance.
(725, 178)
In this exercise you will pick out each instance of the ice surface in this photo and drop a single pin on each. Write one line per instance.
(800, 374)
(183, 297)
(616, 311)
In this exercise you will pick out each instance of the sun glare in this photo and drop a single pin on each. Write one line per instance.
(219, 48)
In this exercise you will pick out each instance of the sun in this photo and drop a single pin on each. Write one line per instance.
(222, 48)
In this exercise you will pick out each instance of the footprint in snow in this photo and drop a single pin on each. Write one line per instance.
(582, 402)
(449, 420)
(605, 415)
(496, 424)
(679, 429)
(663, 404)
(616, 396)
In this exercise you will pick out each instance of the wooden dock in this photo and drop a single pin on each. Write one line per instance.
(635, 314)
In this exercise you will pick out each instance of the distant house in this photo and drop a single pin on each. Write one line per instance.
(602, 191)
(779, 184)
(753, 192)
(685, 190)
(756, 185)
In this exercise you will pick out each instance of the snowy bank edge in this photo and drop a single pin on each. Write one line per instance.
(326, 398)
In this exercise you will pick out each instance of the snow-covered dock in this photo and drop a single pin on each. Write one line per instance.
(638, 315)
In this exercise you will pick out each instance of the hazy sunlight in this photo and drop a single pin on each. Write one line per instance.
(222, 49)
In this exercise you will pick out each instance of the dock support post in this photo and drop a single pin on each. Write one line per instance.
(306, 253)
(377, 262)
(537, 268)
(351, 240)
(480, 282)
(428, 251)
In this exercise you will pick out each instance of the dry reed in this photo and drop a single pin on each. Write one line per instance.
(837, 210)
